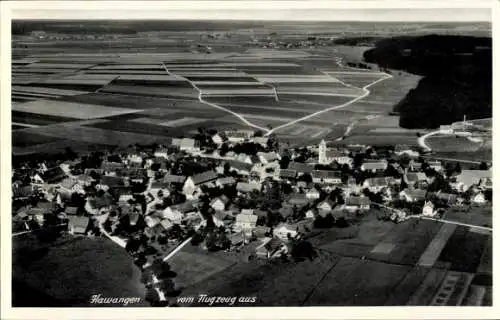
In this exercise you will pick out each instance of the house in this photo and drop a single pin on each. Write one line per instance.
(245, 222)
(226, 181)
(134, 158)
(247, 211)
(22, 192)
(469, 178)
(186, 144)
(478, 198)
(174, 179)
(411, 178)
(241, 168)
(238, 136)
(327, 156)
(413, 195)
(161, 153)
(166, 224)
(374, 166)
(357, 203)
(313, 193)
(260, 231)
(246, 187)
(268, 157)
(99, 205)
(286, 211)
(300, 168)
(36, 179)
(219, 203)
(71, 185)
(78, 225)
(436, 165)
(222, 218)
(270, 248)
(84, 180)
(112, 181)
(326, 176)
(110, 168)
(298, 199)
(428, 209)
(401, 150)
(287, 174)
(325, 206)
(71, 211)
(158, 186)
(176, 213)
(194, 182)
(376, 184)
(151, 221)
(244, 158)
(449, 198)
(217, 139)
(414, 166)
(237, 238)
(284, 230)
(173, 214)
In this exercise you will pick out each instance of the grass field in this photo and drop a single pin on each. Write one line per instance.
(73, 270)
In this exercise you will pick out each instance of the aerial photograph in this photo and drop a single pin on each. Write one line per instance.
(252, 163)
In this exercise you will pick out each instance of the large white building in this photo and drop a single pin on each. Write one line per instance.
(326, 156)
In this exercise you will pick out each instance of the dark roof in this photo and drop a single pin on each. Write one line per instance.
(226, 180)
(298, 198)
(101, 202)
(325, 174)
(170, 178)
(71, 210)
(288, 173)
(112, 166)
(22, 192)
(240, 165)
(357, 201)
(300, 167)
(184, 207)
(204, 177)
(112, 181)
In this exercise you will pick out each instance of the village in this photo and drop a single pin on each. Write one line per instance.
(232, 191)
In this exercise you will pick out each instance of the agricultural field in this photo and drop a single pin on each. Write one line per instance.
(172, 91)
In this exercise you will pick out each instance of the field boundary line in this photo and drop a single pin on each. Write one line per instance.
(200, 98)
(364, 95)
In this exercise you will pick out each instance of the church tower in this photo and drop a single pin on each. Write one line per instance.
(322, 153)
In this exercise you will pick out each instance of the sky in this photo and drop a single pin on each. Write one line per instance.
(255, 10)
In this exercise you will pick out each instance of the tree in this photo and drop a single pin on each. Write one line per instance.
(302, 250)
(483, 166)
(284, 162)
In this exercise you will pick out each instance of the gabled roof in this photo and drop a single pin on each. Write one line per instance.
(416, 194)
(380, 181)
(240, 165)
(247, 218)
(300, 167)
(325, 174)
(112, 166)
(379, 165)
(269, 156)
(111, 181)
(68, 183)
(204, 177)
(298, 198)
(327, 202)
(84, 178)
(287, 173)
(357, 201)
(416, 176)
(187, 143)
(449, 197)
(247, 187)
(223, 199)
(170, 178)
(71, 210)
(247, 211)
(101, 202)
(226, 180)
(184, 207)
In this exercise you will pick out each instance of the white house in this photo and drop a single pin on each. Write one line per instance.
(245, 222)
(357, 203)
(161, 153)
(217, 139)
(326, 176)
(326, 205)
(186, 144)
(313, 193)
(478, 198)
(173, 214)
(219, 203)
(429, 209)
(193, 183)
(374, 166)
